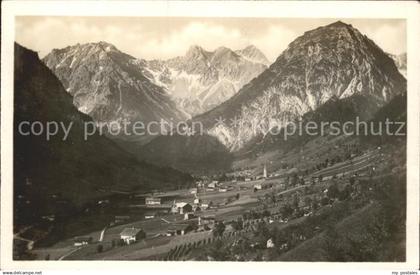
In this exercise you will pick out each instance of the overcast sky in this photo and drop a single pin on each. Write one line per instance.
(162, 38)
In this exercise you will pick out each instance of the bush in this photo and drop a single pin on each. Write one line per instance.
(325, 201)
(238, 225)
(219, 229)
(333, 191)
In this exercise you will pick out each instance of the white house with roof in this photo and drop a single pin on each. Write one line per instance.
(132, 234)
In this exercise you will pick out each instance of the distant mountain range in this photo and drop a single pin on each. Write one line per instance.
(230, 90)
(201, 80)
(110, 85)
(331, 61)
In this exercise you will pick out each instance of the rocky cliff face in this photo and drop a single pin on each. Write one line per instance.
(331, 61)
(109, 86)
(201, 79)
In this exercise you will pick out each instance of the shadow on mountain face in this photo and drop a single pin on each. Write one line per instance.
(198, 154)
(364, 107)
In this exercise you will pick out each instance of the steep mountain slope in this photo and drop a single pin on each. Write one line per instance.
(331, 61)
(401, 62)
(303, 150)
(334, 110)
(108, 85)
(75, 170)
(201, 79)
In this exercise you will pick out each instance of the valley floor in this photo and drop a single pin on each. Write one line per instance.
(257, 211)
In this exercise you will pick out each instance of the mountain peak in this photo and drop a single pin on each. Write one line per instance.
(252, 53)
(250, 47)
(223, 49)
(339, 23)
(224, 52)
(194, 49)
(195, 52)
(106, 46)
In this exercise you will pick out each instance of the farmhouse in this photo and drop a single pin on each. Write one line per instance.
(181, 208)
(153, 201)
(79, 241)
(132, 234)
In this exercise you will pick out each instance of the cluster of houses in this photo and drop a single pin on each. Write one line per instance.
(129, 235)
(187, 208)
(216, 186)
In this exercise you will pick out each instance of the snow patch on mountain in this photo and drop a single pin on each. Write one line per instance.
(202, 79)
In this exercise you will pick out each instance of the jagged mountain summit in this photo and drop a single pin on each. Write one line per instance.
(202, 79)
(108, 85)
(330, 61)
(253, 54)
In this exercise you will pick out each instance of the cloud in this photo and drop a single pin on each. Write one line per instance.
(163, 38)
(146, 43)
(275, 40)
(53, 32)
(209, 36)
